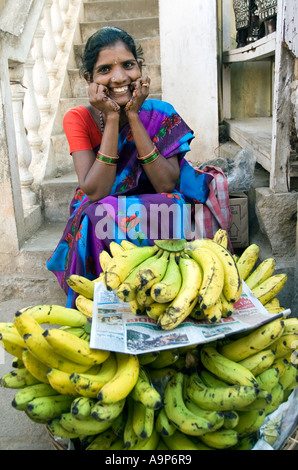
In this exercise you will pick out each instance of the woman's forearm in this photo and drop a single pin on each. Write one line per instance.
(162, 173)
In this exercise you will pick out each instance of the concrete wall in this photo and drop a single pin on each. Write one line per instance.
(188, 38)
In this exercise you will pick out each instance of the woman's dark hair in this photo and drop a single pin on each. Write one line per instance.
(104, 37)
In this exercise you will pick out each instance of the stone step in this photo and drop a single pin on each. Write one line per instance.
(150, 47)
(79, 85)
(119, 10)
(57, 194)
(140, 28)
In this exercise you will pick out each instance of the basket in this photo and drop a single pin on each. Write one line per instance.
(292, 442)
(58, 443)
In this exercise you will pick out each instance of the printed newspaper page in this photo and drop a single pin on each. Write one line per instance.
(116, 328)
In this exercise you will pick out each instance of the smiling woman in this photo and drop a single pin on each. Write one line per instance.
(128, 152)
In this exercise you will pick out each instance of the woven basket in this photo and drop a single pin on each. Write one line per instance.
(58, 444)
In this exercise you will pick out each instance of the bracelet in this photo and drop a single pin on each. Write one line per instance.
(101, 157)
(151, 157)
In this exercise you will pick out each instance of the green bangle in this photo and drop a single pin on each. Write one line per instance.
(108, 160)
(150, 159)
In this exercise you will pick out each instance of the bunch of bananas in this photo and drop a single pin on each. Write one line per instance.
(174, 279)
(210, 396)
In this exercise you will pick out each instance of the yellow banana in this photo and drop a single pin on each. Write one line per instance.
(285, 344)
(107, 411)
(213, 276)
(104, 259)
(167, 289)
(60, 381)
(17, 363)
(262, 272)
(269, 288)
(280, 364)
(121, 265)
(74, 348)
(268, 378)
(26, 324)
(89, 385)
(291, 325)
(25, 395)
(127, 245)
(226, 369)
(227, 307)
(18, 378)
(187, 297)
(289, 376)
(221, 237)
(143, 297)
(150, 275)
(36, 368)
(214, 313)
(81, 285)
(259, 339)
(136, 308)
(126, 290)
(39, 347)
(247, 260)
(177, 412)
(12, 343)
(145, 393)
(123, 381)
(84, 305)
(232, 287)
(115, 248)
(56, 315)
(259, 362)
(221, 439)
(156, 309)
(142, 420)
(83, 427)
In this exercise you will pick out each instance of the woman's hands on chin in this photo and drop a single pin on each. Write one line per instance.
(99, 98)
(140, 91)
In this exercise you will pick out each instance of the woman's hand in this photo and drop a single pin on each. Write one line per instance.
(99, 98)
(140, 91)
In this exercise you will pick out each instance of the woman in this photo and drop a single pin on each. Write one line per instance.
(128, 153)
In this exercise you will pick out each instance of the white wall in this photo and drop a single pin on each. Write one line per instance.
(188, 37)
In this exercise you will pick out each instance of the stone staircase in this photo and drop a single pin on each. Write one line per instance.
(26, 276)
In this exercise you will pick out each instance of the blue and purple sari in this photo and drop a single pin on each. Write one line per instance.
(133, 210)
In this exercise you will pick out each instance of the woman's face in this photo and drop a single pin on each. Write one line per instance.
(116, 68)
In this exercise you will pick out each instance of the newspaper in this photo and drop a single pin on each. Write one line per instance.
(115, 328)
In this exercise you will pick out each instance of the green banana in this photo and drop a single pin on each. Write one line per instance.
(57, 430)
(83, 427)
(26, 394)
(145, 393)
(103, 441)
(119, 423)
(280, 364)
(142, 420)
(46, 408)
(168, 287)
(249, 422)
(231, 397)
(262, 272)
(247, 260)
(166, 358)
(231, 419)
(129, 436)
(147, 358)
(277, 394)
(177, 412)
(149, 443)
(257, 340)
(181, 442)
(81, 407)
(285, 344)
(289, 376)
(163, 425)
(120, 266)
(268, 378)
(258, 362)
(107, 411)
(221, 439)
(226, 369)
(18, 378)
(210, 380)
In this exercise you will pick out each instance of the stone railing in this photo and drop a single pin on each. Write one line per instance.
(36, 37)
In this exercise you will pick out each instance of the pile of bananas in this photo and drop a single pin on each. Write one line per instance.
(174, 279)
(210, 396)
